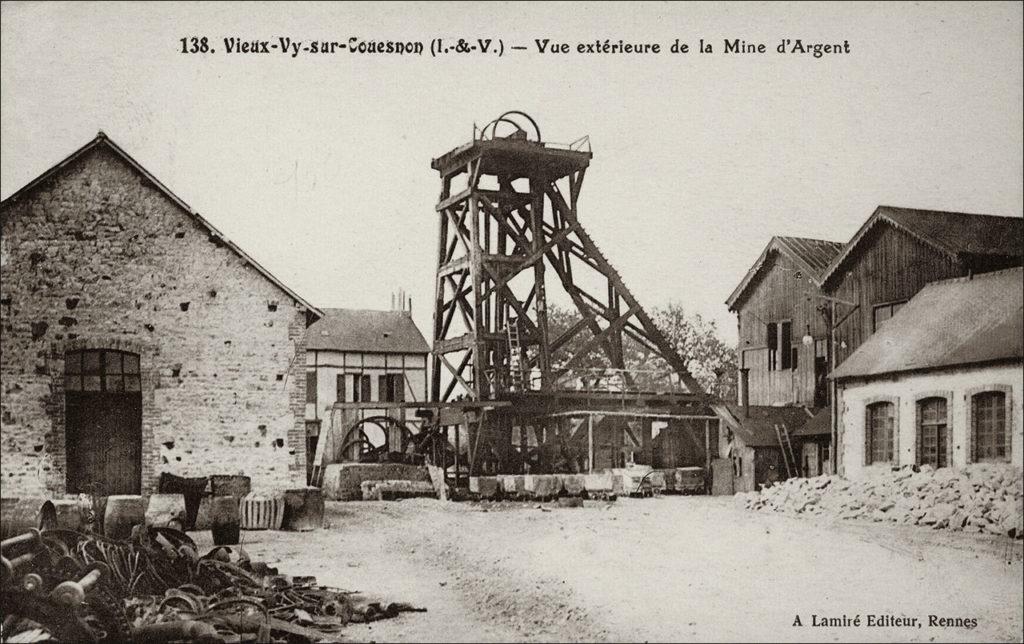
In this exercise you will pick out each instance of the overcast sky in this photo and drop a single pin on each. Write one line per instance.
(319, 166)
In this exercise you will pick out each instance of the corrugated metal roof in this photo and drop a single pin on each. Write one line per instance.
(366, 331)
(104, 140)
(956, 234)
(814, 255)
(758, 430)
(948, 323)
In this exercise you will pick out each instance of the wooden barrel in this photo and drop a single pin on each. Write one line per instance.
(230, 485)
(261, 512)
(72, 514)
(123, 512)
(166, 511)
(303, 509)
(224, 522)
(18, 516)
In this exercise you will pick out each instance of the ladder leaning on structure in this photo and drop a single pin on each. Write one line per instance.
(788, 455)
(515, 355)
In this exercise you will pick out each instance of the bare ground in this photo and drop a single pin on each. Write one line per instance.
(669, 568)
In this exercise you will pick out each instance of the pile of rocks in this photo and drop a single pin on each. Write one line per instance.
(980, 498)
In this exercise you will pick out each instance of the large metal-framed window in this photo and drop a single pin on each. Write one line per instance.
(104, 370)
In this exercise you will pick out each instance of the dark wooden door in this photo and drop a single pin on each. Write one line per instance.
(103, 423)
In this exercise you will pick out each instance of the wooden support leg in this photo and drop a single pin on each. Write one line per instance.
(646, 431)
(590, 443)
(707, 445)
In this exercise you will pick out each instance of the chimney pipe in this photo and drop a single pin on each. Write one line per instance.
(745, 391)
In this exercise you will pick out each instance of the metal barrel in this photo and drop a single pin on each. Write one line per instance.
(21, 515)
(303, 509)
(230, 485)
(224, 520)
(122, 513)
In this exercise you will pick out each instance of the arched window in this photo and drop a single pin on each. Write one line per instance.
(932, 432)
(880, 426)
(988, 426)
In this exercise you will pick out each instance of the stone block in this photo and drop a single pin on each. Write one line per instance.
(342, 481)
(166, 510)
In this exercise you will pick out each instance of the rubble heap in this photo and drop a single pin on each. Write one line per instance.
(75, 586)
(980, 498)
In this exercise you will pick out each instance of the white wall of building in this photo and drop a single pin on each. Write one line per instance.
(328, 365)
(958, 384)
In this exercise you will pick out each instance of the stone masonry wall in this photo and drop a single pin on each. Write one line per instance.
(98, 257)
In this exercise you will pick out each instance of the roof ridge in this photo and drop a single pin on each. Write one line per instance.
(350, 308)
(933, 211)
(104, 139)
(813, 239)
(892, 216)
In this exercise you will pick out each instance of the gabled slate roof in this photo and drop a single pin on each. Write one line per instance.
(366, 331)
(813, 255)
(960, 236)
(103, 140)
(949, 323)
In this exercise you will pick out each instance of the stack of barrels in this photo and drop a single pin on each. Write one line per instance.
(182, 503)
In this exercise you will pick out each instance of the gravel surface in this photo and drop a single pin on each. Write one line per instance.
(661, 569)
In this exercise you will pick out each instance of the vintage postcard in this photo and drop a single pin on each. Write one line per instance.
(510, 321)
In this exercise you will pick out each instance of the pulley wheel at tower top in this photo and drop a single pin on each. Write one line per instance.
(514, 118)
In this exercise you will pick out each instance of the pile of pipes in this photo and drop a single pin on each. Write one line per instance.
(982, 497)
(75, 586)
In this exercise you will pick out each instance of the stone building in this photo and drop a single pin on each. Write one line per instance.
(941, 383)
(361, 366)
(137, 340)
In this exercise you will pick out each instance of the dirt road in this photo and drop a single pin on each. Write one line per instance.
(669, 568)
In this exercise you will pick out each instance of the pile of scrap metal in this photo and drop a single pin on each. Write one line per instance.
(73, 586)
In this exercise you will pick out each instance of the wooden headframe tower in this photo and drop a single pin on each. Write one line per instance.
(509, 230)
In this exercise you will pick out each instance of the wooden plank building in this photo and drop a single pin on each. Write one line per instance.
(806, 305)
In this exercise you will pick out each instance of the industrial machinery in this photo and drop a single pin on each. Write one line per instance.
(516, 396)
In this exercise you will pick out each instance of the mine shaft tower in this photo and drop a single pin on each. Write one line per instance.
(508, 229)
